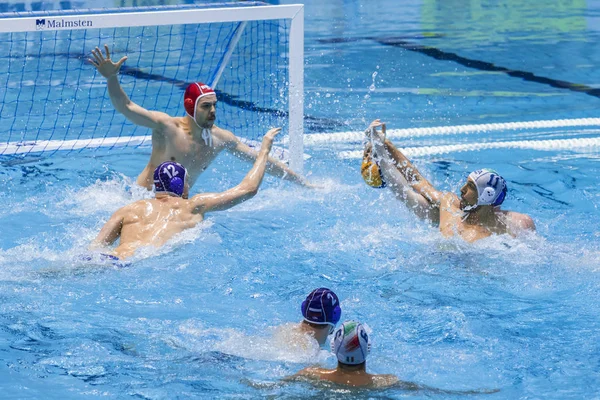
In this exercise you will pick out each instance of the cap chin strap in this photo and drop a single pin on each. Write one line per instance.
(331, 325)
(207, 136)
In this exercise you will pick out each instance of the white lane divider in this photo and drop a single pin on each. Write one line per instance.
(544, 145)
(317, 139)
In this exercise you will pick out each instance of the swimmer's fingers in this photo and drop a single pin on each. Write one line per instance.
(272, 133)
(89, 60)
(379, 135)
(371, 126)
(98, 55)
(107, 52)
(121, 61)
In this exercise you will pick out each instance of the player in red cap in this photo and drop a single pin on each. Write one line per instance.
(193, 140)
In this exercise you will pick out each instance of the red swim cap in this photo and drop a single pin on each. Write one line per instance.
(193, 93)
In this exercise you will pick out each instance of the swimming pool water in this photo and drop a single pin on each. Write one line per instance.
(197, 318)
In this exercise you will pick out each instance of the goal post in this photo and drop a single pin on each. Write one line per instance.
(53, 100)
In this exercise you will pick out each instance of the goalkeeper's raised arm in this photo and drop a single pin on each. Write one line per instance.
(192, 140)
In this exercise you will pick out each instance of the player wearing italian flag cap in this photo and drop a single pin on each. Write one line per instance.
(351, 344)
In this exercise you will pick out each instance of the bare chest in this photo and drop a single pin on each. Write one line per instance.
(193, 153)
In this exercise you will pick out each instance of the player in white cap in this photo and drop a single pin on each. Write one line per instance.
(351, 346)
(473, 216)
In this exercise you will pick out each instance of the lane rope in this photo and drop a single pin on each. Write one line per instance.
(544, 145)
(317, 139)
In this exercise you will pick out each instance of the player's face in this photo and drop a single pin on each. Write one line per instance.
(206, 111)
(468, 194)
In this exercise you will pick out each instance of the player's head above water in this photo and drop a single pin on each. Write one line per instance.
(171, 178)
(199, 101)
(321, 307)
(350, 343)
(484, 187)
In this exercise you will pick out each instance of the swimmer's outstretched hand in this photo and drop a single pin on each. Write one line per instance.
(270, 135)
(105, 65)
(374, 133)
(268, 138)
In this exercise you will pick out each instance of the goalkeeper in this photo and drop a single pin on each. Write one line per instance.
(193, 140)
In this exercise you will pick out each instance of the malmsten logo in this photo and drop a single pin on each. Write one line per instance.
(41, 24)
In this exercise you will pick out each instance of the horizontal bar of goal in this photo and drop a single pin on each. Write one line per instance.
(155, 18)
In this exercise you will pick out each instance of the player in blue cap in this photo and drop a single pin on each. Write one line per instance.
(321, 312)
(153, 222)
(473, 216)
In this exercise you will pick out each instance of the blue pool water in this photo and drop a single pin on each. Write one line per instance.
(198, 318)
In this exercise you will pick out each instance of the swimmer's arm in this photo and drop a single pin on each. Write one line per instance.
(306, 373)
(393, 158)
(274, 167)
(418, 387)
(110, 232)
(133, 112)
(450, 214)
(412, 175)
(206, 202)
(404, 192)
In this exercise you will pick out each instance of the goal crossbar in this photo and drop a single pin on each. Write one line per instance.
(155, 16)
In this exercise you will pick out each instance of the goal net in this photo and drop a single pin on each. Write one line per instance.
(52, 99)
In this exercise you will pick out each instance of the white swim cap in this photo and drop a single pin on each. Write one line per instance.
(350, 343)
(491, 187)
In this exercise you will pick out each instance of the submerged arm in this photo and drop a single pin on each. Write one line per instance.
(110, 232)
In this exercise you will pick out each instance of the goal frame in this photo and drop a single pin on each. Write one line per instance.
(138, 17)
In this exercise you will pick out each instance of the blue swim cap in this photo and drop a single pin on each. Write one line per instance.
(169, 177)
(321, 307)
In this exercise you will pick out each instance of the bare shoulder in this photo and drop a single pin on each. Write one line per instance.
(227, 137)
(449, 196)
(134, 209)
(171, 124)
(311, 372)
(449, 201)
(518, 221)
(385, 380)
(306, 373)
